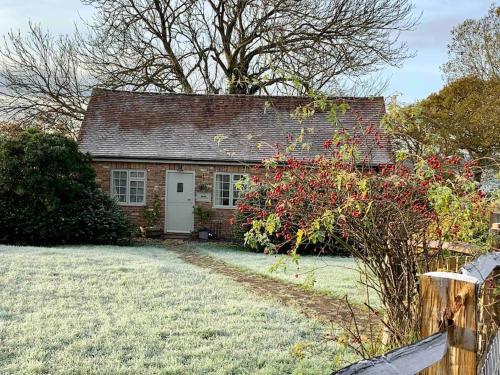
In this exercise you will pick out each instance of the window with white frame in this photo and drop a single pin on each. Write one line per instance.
(226, 191)
(129, 186)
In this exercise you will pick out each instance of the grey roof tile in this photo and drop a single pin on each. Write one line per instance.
(121, 124)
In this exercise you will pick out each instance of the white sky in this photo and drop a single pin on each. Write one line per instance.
(418, 77)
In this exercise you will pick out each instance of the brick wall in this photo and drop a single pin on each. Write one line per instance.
(155, 183)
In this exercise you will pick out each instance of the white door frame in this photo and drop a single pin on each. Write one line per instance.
(166, 200)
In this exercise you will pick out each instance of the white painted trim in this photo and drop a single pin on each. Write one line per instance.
(166, 201)
(171, 161)
(475, 272)
(452, 276)
(128, 203)
(231, 190)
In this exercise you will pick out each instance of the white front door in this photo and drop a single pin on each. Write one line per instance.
(180, 202)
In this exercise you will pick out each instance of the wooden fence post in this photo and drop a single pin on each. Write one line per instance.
(449, 302)
(450, 320)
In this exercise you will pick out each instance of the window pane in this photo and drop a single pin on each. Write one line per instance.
(180, 187)
(222, 179)
(217, 201)
(137, 174)
(222, 189)
(136, 191)
(120, 186)
(128, 186)
(237, 189)
(119, 175)
(236, 197)
(236, 192)
(119, 192)
(140, 194)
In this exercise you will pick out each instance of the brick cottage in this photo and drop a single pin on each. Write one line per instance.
(187, 149)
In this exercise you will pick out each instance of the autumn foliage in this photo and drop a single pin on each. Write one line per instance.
(385, 216)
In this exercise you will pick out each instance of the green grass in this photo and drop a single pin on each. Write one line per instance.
(116, 310)
(337, 276)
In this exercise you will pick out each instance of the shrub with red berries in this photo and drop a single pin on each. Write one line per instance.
(384, 216)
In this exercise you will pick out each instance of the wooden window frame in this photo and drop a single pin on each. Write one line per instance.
(231, 190)
(127, 193)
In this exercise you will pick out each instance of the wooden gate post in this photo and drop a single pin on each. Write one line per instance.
(449, 302)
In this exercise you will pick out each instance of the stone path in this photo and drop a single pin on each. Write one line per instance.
(315, 305)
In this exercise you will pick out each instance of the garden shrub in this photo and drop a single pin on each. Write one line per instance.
(203, 216)
(386, 217)
(244, 215)
(152, 215)
(251, 207)
(48, 194)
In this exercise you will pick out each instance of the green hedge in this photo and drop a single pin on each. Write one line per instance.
(48, 194)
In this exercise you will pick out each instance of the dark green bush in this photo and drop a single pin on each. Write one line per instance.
(48, 194)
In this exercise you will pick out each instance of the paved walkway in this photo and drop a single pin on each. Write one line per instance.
(315, 305)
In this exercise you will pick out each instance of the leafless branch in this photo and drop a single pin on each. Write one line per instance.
(244, 46)
(42, 80)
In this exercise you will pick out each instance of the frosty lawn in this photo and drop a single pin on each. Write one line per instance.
(116, 310)
(336, 276)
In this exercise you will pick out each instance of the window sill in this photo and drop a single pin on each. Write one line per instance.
(124, 204)
(225, 207)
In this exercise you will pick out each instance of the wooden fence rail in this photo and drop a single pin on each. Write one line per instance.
(406, 360)
(453, 325)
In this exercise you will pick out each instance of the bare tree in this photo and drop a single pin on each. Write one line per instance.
(244, 46)
(207, 46)
(475, 48)
(42, 80)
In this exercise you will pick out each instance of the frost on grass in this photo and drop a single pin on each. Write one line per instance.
(336, 276)
(115, 310)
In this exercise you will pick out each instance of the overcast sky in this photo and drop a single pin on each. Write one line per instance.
(418, 77)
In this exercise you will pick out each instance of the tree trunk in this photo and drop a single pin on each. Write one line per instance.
(239, 88)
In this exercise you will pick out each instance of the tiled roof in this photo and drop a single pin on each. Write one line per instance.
(121, 124)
